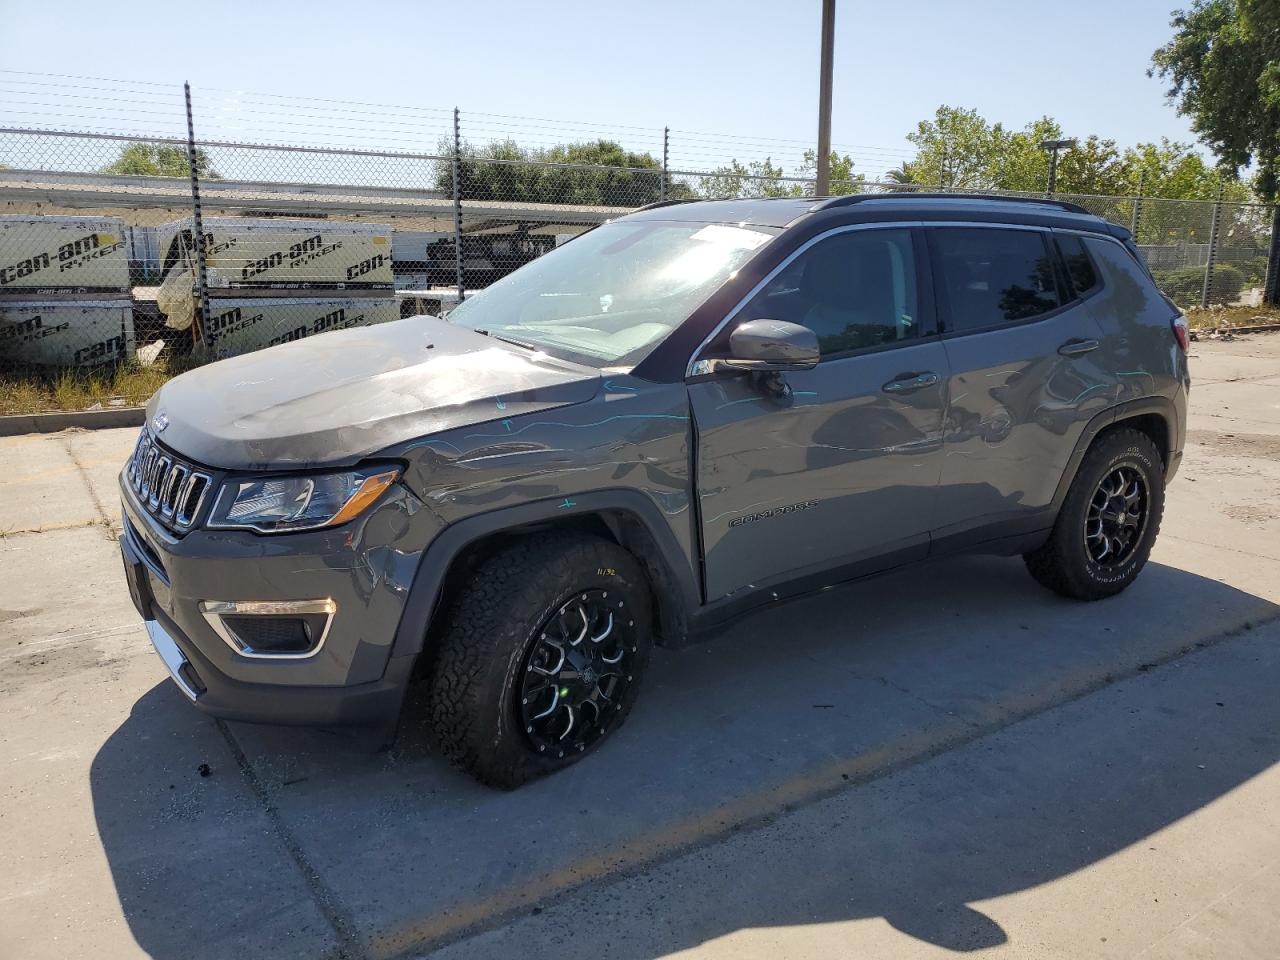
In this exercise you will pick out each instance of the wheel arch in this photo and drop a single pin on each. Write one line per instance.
(1154, 416)
(626, 517)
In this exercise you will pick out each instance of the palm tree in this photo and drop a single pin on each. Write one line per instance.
(902, 175)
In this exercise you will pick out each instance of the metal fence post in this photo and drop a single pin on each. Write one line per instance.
(1271, 285)
(1214, 223)
(197, 230)
(1136, 220)
(457, 204)
(666, 156)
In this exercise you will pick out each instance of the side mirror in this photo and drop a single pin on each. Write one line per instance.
(769, 345)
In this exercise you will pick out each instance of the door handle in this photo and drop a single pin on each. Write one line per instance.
(1074, 348)
(911, 383)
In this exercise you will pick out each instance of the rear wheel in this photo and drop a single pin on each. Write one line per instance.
(1108, 521)
(540, 659)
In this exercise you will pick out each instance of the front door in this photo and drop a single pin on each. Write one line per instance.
(802, 471)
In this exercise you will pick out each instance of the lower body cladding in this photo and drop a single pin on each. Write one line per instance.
(254, 628)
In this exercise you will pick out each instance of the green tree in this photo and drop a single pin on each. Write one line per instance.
(1169, 170)
(901, 174)
(1223, 69)
(760, 178)
(1018, 163)
(1094, 167)
(599, 173)
(957, 149)
(844, 179)
(140, 159)
(1174, 171)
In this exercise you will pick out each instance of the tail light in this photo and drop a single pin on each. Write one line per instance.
(1181, 331)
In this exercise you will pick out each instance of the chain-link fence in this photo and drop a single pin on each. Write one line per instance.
(139, 231)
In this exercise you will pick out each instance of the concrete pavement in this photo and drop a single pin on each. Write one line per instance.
(1140, 821)
(302, 843)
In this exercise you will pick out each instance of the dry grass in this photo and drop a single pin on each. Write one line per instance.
(1227, 318)
(128, 385)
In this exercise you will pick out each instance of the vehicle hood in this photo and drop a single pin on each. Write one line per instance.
(340, 396)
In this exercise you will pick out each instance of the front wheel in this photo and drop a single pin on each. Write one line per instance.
(1108, 522)
(540, 658)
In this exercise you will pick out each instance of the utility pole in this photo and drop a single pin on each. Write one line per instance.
(1053, 146)
(823, 185)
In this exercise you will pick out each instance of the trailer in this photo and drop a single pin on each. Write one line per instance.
(242, 324)
(67, 334)
(42, 256)
(486, 257)
(246, 257)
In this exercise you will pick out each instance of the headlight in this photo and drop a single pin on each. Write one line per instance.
(282, 504)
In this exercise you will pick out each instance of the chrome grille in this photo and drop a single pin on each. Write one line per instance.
(169, 489)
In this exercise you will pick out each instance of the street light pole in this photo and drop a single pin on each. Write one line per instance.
(1053, 146)
(823, 185)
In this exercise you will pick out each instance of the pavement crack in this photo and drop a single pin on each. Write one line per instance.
(335, 911)
(72, 525)
(103, 517)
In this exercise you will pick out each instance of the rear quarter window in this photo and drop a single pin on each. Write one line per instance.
(1130, 296)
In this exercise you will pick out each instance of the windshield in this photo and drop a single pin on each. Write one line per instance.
(614, 293)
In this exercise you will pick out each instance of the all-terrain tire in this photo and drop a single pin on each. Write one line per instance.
(482, 653)
(1065, 564)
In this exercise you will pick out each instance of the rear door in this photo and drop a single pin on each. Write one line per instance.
(1022, 347)
(836, 465)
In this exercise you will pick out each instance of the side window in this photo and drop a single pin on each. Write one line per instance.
(854, 290)
(994, 276)
(1084, 279)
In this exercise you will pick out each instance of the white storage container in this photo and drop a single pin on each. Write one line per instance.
(45, 255)
(238, 325)
(314, 257)
(71, 334)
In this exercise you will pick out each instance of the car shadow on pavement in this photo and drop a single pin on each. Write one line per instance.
(302, 842)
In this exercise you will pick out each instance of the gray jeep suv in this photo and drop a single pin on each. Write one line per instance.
(681, 414)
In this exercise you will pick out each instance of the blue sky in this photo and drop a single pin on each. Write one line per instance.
(714, 70)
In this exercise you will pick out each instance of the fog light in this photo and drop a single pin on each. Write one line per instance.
(271, 629)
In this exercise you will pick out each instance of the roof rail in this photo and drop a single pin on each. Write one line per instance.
(909, 194)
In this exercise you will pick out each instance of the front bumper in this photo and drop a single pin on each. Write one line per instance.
(365, 567)
(220, 696)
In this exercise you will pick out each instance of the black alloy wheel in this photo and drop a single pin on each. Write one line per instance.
(577, 673)
(1116, 517)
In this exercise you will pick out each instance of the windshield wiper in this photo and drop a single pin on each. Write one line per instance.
(518, 343)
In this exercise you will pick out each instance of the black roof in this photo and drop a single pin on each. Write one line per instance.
(784, 211)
